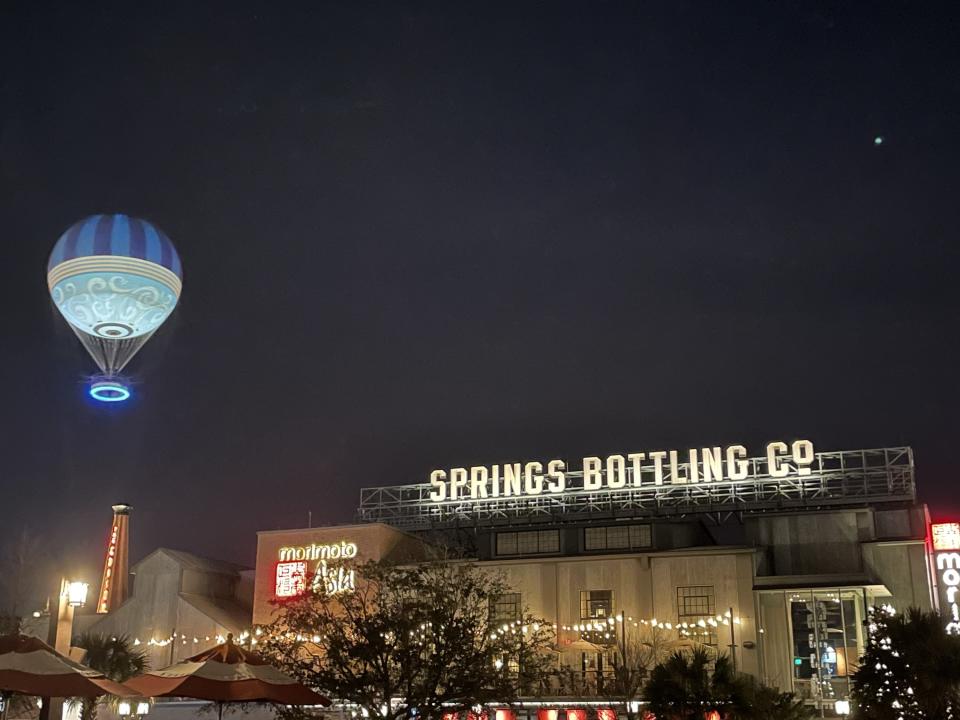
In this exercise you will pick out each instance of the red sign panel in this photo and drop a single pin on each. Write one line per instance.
(291, 579)
(946, 536)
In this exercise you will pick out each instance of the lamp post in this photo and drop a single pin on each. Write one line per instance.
(73, 595)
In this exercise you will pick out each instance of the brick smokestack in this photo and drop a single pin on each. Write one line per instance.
(115, 585)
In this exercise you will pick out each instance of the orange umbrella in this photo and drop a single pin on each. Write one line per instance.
(29, 666)
(226, 674)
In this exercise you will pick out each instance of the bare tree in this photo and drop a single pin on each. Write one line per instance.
(635, 655)
(410, 640)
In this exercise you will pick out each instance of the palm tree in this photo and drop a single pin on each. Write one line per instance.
(115, 658)
(684, 687)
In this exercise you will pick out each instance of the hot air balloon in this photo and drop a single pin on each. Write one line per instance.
(115, 279)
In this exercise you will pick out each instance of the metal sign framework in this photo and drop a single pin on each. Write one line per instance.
(846, 477)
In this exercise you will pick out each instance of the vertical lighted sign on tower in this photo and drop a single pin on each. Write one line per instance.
(114, 585)
(946, 561)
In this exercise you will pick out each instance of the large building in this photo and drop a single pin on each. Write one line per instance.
(181, 604)
(772, 559)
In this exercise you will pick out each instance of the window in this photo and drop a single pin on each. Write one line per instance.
(528, 542)
(825, 635)
(616, 537)
(596, 604)
(695, 603)
(506, 608)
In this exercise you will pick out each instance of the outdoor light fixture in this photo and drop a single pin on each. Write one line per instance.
(126, 710)
(842, 707)
(77, 594)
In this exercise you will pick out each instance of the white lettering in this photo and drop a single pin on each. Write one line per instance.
(558, 481)
(737, 469)
(657, 458)
(775, 451)
(636, 460)
(458, 479)
(949, 564)
(712, 464)
(948, 561)
(616, 472)
(333, 551)
(803, 456)
(592, 478)
(512, 477)
(478, 482)
(533, 478)
(438, 481)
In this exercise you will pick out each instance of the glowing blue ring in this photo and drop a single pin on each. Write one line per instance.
(109, 391)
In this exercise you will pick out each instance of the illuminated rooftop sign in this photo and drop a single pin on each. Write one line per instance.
(618, 471)
(647, 484)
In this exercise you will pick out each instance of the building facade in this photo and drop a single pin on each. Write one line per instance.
(773, 560)
(181, 604)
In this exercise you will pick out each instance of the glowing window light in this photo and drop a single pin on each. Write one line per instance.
(946, 536)
(109, 391)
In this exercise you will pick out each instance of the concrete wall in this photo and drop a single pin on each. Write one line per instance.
(811, 543)
(902, 568)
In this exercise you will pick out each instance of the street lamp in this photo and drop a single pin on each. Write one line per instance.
(77, 594)
(73, 595)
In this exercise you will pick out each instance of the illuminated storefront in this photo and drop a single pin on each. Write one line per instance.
(772, 559)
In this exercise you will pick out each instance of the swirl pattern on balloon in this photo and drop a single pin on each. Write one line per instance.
(113, 306)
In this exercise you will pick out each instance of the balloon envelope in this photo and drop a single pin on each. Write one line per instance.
(115, 279)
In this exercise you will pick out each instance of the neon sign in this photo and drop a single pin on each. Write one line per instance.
(334, 551)
(104, 604)
(946, 536)
(946, 542)
(291, 576)
(291, 579)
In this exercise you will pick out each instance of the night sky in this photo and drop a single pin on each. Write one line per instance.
(430, 235)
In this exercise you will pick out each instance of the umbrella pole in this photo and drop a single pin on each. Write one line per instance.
(220, 710)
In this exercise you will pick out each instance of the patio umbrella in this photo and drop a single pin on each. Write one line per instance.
(226, 674)
(29, 666)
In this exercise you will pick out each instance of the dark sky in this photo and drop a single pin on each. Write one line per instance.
(422, 235)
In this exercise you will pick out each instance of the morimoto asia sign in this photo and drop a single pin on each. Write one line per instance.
(319, 566)
(636, 469)
(946, 543)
